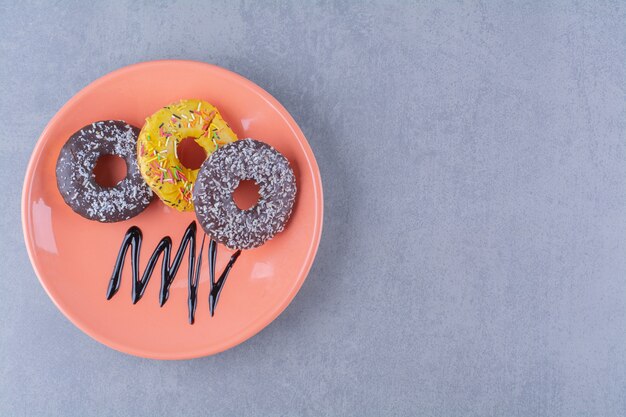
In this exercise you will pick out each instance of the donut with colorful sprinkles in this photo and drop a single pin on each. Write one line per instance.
(157, 148)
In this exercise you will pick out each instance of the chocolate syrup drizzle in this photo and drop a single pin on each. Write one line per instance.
(216, 287)
(133, 238)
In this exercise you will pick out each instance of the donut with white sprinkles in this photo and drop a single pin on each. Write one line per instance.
(76, 180)
(218, 178)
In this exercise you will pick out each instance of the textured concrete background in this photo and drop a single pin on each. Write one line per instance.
(473, 261)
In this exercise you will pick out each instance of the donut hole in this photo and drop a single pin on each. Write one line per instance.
(110, 170)
(246, 195)
(190, 154)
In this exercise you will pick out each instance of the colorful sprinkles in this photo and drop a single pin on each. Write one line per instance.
(157, 152)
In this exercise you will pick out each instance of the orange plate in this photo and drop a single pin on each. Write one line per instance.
(73, 257)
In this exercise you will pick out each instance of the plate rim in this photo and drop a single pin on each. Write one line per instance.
(261, 322)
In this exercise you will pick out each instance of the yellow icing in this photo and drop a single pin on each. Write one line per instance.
(159, 138)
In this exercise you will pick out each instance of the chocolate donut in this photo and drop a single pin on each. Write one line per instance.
(220, 175)
(76, 180)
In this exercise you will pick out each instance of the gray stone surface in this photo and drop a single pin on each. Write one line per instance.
(473, 261)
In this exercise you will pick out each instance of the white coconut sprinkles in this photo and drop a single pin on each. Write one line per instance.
(76, 180)
(220, 175)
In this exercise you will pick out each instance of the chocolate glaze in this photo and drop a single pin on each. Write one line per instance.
(76, 180)
(220, 175)
(133, 239)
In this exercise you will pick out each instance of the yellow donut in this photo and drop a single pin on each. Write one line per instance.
(157, 148)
